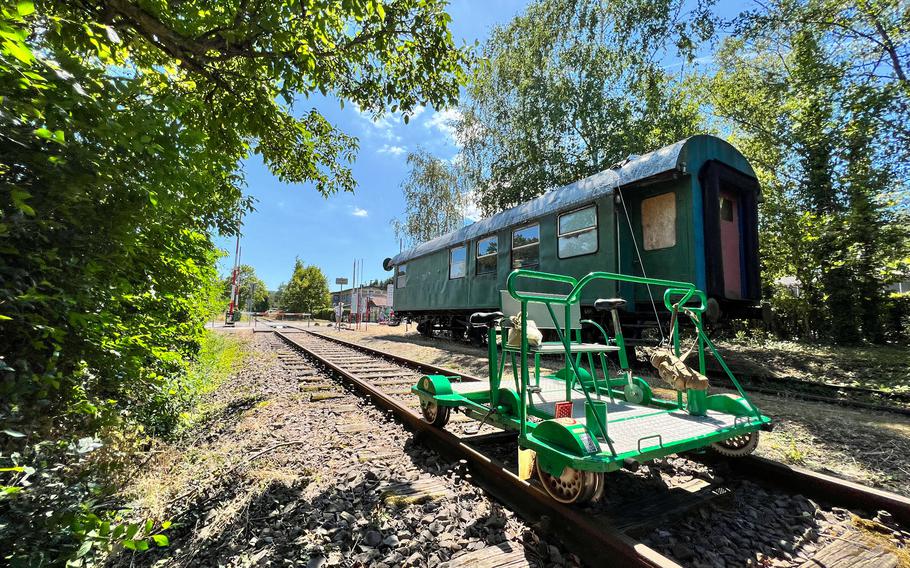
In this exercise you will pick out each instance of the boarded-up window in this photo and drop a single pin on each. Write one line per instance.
(658, 221)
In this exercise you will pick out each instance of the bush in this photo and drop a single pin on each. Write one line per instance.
(896, 322)
(325, 314)
(57, 497)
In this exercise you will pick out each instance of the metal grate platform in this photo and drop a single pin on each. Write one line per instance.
(627, 423)
(664, 428)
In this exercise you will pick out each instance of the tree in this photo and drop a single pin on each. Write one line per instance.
(307, 291)
(276, 295)
(247, 280)
(569, 88)
(818, 124)
(434, 199)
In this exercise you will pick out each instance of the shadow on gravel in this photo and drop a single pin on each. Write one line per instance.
(266, 516)
(344, 524)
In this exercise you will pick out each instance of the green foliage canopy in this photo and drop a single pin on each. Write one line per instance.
(568, 88)
(434, 198)
(814, 98)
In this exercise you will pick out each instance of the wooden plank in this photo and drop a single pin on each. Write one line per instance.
(352, 428)
(851, 554)
(504, 555)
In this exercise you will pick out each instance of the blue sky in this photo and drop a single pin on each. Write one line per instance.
(293, 220)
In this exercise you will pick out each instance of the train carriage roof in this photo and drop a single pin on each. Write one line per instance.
(633, 170)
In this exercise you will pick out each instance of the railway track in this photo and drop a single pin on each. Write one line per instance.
(812, 391)
(644, 506)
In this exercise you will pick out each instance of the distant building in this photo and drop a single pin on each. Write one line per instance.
(378, 308)
(344, 295)
(902, 287)
(791, 283)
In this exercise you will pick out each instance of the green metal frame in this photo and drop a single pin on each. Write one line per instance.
(561, 444)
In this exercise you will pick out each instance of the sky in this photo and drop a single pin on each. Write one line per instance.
(294, 220)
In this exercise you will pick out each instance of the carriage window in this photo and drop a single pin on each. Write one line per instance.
(658, 221)
(525, 246)
(578, 232)
(402, 275)
(457, 262)
(486, 255)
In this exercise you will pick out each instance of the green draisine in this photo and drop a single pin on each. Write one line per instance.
(585, 420)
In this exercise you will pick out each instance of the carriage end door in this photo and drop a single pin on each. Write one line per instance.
(731, 244)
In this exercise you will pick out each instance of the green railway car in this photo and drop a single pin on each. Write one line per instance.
(686, 212)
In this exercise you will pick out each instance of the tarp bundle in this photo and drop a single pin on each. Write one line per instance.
(675, 371)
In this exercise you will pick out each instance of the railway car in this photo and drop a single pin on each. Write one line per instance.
(686, 212)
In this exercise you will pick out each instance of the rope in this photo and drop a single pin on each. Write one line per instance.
(660, 328)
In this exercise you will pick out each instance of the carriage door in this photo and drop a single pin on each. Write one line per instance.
(731, 244)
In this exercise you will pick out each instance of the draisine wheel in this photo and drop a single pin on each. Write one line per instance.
(737, 446)
(573, 486)
(434, 414)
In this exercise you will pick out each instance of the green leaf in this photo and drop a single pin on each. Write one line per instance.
(131, 530)
(19, 51)
(43, 133)
(161, 540)
(25, 7)
(84, 548)
(165, 525)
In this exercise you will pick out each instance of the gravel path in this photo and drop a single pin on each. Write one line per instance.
(285, 468)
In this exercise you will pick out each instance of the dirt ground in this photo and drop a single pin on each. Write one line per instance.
(866, 446)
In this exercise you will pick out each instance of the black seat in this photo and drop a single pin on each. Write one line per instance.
(485, 318)
(608, 304)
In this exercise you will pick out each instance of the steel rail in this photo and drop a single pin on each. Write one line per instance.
(750, 383)
(594, 543)
(797, 479)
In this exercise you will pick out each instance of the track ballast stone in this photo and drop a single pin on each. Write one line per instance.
(279, 477)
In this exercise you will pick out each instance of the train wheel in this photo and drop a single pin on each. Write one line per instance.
(425, 328)
(600, 483)
(573, 486)
(434, 414)
(737, 446)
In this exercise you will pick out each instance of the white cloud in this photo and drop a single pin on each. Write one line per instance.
(444, 121)
(358, 212)
(394, 150)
